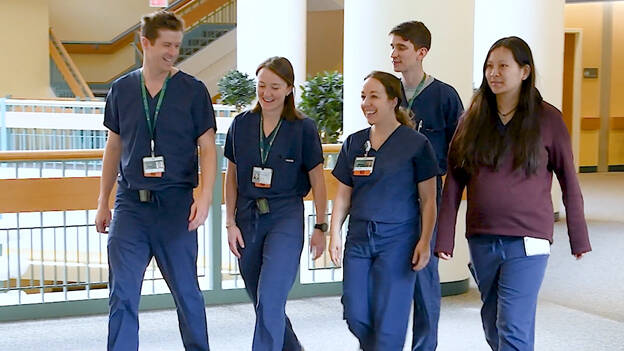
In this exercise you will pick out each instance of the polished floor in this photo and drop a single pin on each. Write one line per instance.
(581, 305)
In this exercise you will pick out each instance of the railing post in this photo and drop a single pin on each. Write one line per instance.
(215, 222)
(3, 130)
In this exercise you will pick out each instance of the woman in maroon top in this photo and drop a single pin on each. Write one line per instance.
(504, 152)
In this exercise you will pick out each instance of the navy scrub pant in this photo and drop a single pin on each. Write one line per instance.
(269, 264)
(427, 297)
(138, 232)
(378, 282)
(509, 282)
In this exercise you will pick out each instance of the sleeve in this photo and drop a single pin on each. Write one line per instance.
(454, 185)
(343, 170)
(561, 161)
(454, 110)
(425, 162)
(203, 112)
(312, 148)
(228, 150)
(111, 114)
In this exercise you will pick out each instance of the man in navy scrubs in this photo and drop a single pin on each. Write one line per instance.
(436, 107)
(157, 116)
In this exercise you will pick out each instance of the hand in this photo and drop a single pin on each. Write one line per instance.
(235, 238)
(199, 213)
(579, 256)
(444, 256)
(102, 219)
(335, 249)
(422, 253)
(317, 244)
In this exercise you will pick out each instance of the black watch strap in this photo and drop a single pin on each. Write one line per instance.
(322, 226)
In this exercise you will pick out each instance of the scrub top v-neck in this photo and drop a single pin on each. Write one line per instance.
(295, 150)
(185, 114)
(390, 193)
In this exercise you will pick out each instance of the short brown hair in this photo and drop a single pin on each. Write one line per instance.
(414, 31)
(392, 85)
(284, 69)
(150, 24)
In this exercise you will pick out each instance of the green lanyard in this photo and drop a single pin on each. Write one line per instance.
(151, 126)
(266, 143)
(418, 90)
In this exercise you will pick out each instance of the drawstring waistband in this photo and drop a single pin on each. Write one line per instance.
(371, 228)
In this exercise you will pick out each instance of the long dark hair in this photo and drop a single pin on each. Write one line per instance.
(284, 69)
(477, 141)
(392, 85)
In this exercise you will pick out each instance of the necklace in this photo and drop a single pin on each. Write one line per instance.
(508, 113)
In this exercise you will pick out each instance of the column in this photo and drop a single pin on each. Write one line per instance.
(540, 24)
(264, 30)
(367, 45)
(367, 48)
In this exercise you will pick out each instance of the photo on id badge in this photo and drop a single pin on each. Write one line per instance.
(261, 177)
(153, 166)
(363, 166)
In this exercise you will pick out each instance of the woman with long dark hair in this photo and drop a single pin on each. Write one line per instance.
(387, 185)
(505, 150)
(274, 157)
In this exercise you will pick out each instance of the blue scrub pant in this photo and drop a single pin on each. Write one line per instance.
(138, 232)
(378, 282)
(509, 282)
(427, 297)
(269, 264)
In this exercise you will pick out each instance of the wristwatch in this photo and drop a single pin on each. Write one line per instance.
(322, 226)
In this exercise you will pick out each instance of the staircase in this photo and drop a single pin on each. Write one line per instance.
(200, 37)
(205, 21)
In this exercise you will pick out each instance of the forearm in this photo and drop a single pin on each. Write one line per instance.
(110, 168)
(317, 180)
(428, 212)
(428, 208)
(231, 194)
(208, 165)
(342, 203)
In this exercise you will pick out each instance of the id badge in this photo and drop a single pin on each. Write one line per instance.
(363, 166)
(261, 177)
(153, 166)
(535, 246)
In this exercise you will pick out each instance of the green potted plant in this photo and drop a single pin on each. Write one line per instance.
(321, 100)
(237, 89)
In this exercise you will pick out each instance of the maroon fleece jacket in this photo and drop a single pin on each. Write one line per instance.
(508, 202)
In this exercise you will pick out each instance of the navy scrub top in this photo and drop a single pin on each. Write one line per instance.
(439, 107)
(296, 150)
(185, 114)
(390, 193)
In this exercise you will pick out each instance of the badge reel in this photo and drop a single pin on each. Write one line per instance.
(153, 166)
(261, 178)
(363, 166)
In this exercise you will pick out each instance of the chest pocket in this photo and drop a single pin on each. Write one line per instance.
(287, 168)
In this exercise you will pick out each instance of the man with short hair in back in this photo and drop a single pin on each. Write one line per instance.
(157, 116)
(436, 107)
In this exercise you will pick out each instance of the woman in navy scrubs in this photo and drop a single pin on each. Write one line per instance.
(387, 184)
(274, 158)
(505, 151)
